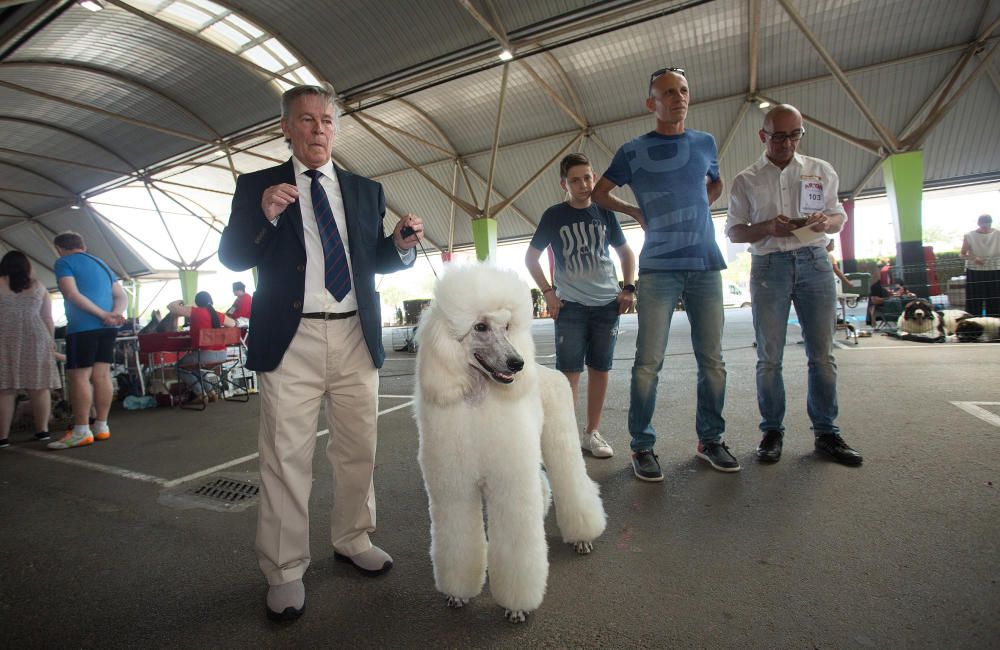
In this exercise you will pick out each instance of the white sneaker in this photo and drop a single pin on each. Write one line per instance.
(72, 439)
(596, 445)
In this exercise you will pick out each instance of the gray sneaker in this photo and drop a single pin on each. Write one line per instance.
(646, 467)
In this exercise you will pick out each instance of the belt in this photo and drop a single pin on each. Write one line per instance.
(322, 315)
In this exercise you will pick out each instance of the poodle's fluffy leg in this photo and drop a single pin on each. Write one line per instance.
(579, 511)
(518, 554)
(458, 544)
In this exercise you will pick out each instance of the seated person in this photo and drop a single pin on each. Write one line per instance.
(900, 291)
(885, 303)
(878, 294)
(240, 311)
(201, 316)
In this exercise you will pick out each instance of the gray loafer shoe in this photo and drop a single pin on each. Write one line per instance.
(372, 562)
(286, 602)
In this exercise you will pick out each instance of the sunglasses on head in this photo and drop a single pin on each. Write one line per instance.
(662, 71)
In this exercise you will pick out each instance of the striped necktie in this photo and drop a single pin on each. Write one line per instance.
(337, 275)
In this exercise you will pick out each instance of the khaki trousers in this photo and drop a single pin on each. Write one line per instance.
(326, 360)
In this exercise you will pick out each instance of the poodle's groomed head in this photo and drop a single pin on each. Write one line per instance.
(478, 328)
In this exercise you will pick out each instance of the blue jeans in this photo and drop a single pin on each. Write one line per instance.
(658, 294)
(803, 277)
(586, 334)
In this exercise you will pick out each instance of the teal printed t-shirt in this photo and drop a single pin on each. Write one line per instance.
(667, 175)
(584, 272)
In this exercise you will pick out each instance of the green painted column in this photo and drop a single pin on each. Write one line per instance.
(189, 284)
(484, 234)
(253, 272)
(904, 183)
(132, 291)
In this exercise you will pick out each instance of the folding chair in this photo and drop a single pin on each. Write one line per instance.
(213, 338)
(885, 316)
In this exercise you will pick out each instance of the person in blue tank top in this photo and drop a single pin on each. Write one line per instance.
(674, 174)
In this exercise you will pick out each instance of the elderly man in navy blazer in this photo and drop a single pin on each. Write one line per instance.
(315, 234)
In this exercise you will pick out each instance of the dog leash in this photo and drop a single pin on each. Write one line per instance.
(405, 232)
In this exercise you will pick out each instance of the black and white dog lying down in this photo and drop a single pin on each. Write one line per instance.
(920, 322)
(978, 329)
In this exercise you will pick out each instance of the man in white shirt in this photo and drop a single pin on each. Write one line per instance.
(785, 205)
(315, 234)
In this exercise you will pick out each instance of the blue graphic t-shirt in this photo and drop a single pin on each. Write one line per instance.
(93, 279)
(579, 237)
(667, 175)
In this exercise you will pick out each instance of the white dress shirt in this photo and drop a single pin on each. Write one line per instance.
(762, 191)
(317, 298)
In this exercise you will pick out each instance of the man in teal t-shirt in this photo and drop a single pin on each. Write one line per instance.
(674, 175)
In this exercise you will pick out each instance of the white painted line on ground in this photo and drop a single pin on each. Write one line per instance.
(249, 457)
(211, 470)
(974, 408)
(396, 408)
(97, 467)
(148, 478)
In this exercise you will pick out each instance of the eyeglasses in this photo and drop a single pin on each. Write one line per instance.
(794, 136)
(662, 71)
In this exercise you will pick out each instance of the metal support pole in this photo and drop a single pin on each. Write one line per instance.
(496, 139)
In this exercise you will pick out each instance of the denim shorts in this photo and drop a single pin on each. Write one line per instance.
(586, 333)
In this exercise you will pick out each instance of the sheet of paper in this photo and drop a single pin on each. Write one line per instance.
(806, 234)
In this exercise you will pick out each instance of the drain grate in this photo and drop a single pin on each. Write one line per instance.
(227, 490)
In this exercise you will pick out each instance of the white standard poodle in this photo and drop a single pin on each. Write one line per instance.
(489, 416)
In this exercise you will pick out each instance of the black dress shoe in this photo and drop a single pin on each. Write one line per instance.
(833, 446)
(769, 449)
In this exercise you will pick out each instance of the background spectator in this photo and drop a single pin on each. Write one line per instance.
(981, 252)
(27, 349)
(201, 316)
(95, 302)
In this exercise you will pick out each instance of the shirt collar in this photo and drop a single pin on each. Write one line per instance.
(327, 169)
(765, 161)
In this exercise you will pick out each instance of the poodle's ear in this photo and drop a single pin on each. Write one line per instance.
(442, 372)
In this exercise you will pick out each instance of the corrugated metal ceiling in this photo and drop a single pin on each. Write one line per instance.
(118, 90)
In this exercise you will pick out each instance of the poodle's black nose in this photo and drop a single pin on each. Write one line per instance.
(514, 364)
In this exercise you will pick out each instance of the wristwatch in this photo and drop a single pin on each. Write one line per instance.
(629, 287)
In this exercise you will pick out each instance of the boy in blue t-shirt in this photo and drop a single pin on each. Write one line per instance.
(95, 302)
(583, 299)
(674, 174)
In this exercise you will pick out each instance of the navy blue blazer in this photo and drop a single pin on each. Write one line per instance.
(279, 254)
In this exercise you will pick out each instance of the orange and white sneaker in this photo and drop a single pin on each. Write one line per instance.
(72, 439)
(102, 435)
